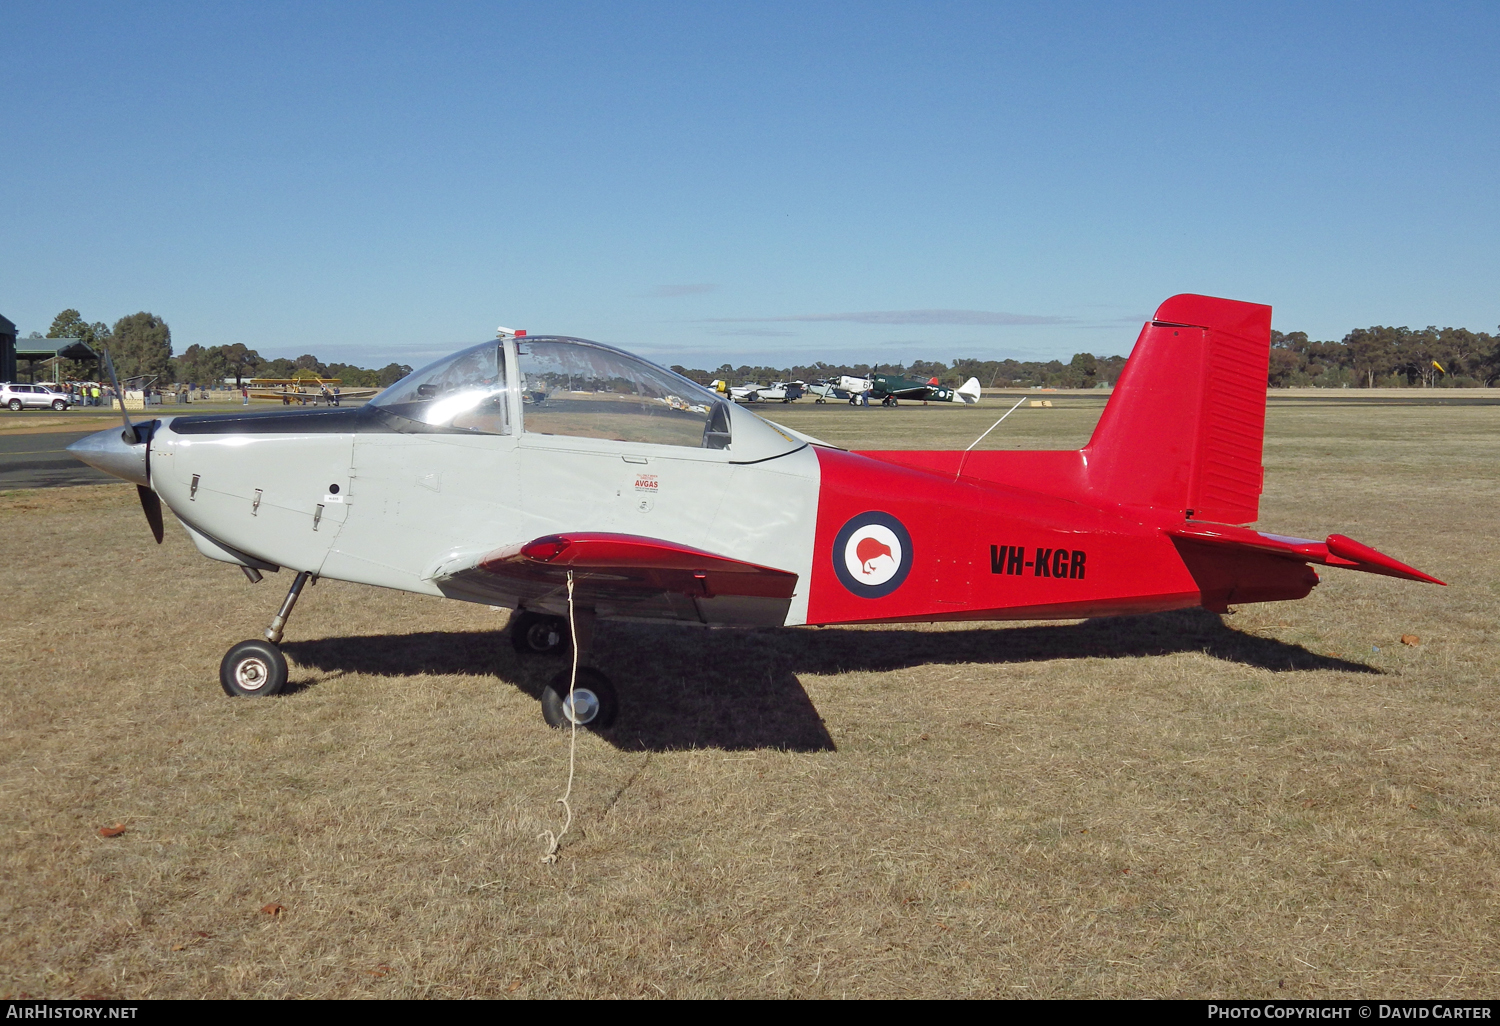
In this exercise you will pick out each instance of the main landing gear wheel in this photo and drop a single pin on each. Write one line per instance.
(253, 668)
(539, 634)
(594, 703)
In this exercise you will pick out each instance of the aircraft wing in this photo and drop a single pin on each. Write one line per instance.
(625, 575)
(914, 392)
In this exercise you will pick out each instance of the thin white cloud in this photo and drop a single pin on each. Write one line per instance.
(753, 332)
(992, 317)
(674, 291)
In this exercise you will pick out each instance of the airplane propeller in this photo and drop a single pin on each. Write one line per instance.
(139, 435)
(128, 435)
(151, 506)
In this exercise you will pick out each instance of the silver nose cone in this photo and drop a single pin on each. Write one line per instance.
(108, 451)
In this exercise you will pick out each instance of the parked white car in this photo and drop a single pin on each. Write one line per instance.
(20, 397)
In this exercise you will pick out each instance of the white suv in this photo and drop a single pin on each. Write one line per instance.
(19, 397)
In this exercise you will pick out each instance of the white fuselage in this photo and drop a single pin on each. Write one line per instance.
(406, 510)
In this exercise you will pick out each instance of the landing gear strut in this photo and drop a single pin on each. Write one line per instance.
(255, 668)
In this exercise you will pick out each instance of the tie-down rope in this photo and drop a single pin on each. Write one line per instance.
(554, 840)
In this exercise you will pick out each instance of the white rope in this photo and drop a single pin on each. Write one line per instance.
(555, 840)
(982, 437)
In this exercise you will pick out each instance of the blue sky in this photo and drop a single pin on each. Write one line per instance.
(751, 182)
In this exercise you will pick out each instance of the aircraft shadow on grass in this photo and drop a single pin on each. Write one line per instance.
(739, 690)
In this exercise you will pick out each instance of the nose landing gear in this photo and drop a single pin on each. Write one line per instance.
(256, 668)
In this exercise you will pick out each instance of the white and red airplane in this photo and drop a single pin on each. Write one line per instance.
(558, 477)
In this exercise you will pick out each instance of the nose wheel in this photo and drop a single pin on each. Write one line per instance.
(256, 668)
(253, 668)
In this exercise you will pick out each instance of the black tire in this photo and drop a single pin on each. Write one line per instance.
(59, 405)
(820, 402)
(593, 694)
(253, 669)
(540, 634)
(15, 406)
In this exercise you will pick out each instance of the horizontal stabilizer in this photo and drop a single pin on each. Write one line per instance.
(1337, 550)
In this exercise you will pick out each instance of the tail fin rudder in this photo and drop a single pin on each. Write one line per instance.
(968, 392)
(1184, 427)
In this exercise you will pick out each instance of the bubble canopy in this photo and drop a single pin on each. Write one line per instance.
(567, 387)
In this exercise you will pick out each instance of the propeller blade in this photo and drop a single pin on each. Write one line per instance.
(151, 506)
(129, 434)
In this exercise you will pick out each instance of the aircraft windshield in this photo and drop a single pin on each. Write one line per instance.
(583, 389)
(462, 392)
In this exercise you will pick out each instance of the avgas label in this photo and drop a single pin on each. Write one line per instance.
(1038, 561)
(872, 554)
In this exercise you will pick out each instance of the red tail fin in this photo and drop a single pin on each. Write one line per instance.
(1184, 427)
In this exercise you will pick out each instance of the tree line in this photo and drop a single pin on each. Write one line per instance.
(1374, 357)
(1083, 371)
(141, 347)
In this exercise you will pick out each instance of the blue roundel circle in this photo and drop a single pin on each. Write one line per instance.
(872, 554)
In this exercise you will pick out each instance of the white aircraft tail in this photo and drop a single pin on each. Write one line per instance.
(969, 391)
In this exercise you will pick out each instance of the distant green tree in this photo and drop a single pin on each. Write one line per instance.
(239, 361)
(1081, 371)
(391, 373)
(351, 376)
(202, 366)
(141, 345)
(1375, 352)
(70, 324)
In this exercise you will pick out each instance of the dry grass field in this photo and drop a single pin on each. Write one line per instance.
(1284, 802)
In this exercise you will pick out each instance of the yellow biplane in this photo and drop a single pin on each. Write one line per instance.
(306, 391)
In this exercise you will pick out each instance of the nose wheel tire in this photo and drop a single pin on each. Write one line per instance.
(594, 703)
(253, 669)
(539, 634)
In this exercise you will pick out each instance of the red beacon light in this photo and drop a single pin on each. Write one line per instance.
(504, 332)
(545, 550)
